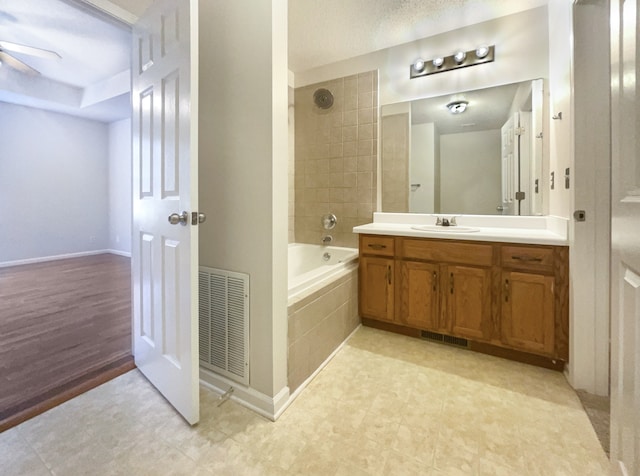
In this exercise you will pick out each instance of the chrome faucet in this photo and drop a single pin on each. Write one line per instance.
(446, 221)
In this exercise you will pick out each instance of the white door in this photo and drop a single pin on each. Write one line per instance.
(516, 158)
(625, 240)
(523, 164)
(509, 205)
(537, 144)
(165, 183)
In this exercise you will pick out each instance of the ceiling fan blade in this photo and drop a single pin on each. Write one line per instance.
(28, 50)
(15, 63)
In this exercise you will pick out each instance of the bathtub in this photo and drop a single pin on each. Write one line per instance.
(312, 265)
(322, 309)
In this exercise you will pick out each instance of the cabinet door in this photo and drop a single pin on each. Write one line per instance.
(528, 311)
(376, 288)
(420, 295)
(467, 312)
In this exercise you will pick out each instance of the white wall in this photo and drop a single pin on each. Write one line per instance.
(53, 184)
(422, 168)
(120, 186)
(521, 42)
(243, 167)
(560, 136)
(462, 162)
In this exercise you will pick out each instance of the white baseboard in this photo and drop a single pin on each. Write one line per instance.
(44, 259)
(268, 407)
(126, 254)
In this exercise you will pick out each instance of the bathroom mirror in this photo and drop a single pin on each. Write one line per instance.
(478, 152)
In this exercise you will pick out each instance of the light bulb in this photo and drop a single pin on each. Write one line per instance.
(438, 62)
(457, 107)
(459, 57)
(418, 65)
(482, 51)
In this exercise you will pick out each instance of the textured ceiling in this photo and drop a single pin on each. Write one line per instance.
(323, 32)
(92, 49)
(488, 109)
(95, 47)
(90, 78)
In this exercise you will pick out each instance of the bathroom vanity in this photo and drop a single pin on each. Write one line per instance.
(497, 289)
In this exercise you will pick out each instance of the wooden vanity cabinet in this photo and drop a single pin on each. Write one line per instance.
(377, 278)
(533, 299)
(446, 286)
(420, 296)
(508, 296)
(468, 301)
(376, 281)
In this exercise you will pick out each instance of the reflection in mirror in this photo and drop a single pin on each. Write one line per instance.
(438, 156)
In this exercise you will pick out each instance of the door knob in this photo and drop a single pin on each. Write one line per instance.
(182, 218)
(202, 217)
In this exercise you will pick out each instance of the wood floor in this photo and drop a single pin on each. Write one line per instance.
(65, 326)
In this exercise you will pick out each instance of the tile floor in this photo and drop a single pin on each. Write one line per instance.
(386, 404)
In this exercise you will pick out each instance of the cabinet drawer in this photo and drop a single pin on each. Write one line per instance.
(441, 251)
(377, 245)
(527, 257)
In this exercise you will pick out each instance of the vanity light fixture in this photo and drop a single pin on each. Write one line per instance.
(438, 62)
(482, 51)
(461, 59)
(457, 107)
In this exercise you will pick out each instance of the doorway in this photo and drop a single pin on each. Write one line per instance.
(65, 304)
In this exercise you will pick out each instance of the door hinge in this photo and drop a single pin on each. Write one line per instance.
(519, 131)
(520, 195)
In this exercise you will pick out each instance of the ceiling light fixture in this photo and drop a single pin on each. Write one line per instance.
(461, 59)
(457, 107)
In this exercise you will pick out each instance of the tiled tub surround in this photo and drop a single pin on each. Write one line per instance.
(541, 230)
(335, 158)
(322, 311)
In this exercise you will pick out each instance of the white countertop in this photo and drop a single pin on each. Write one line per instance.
(539, 230)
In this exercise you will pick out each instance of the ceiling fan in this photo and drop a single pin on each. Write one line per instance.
(7, 58)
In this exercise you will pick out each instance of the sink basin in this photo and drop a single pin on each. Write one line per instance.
(446, 229)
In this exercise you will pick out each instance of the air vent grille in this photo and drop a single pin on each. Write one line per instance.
(224, 323)
(445, 339)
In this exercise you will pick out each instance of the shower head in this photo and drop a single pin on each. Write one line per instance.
(323, 98)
